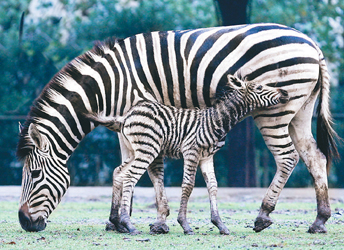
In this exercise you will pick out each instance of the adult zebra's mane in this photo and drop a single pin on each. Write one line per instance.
(55, 85)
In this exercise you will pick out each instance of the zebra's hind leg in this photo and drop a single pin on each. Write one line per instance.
(314, 159)
(286, 157)
(207, 168)
(190, 167)
(156, 174)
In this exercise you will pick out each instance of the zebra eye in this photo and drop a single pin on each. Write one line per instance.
(260, 87)
(35, 173)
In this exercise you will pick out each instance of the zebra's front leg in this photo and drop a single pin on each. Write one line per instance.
(207, 168)
(136, 169)
(190, 167)
(286, 158)
(118, 173)
(118, 176)
(156, 174)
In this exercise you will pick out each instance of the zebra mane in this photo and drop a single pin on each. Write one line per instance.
(25, 145)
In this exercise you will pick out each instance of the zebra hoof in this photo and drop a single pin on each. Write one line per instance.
(189, 232)
(224, 231)
(261, 223)
(317, 229)
(159, 228)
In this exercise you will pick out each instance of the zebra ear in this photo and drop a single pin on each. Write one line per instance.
(39, 140)
(21, 127)
(234, 82)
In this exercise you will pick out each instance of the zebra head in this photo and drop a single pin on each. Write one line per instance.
(45, 179)
(254, 95)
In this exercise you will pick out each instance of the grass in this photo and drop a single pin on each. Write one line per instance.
(76, 225)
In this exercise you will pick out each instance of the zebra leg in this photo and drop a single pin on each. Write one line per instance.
(156, 174)
(118, 175)
(286, 157)
(207, 168)
(190, 167)
(114, 224)
(300, 130)
(137, 168)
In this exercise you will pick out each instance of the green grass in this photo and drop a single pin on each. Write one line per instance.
(76, 225)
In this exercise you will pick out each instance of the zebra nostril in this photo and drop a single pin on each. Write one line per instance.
(26, 221)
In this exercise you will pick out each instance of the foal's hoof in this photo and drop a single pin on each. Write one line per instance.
(261, 223)
(116, 227)
(110, 226)
(135, 232)
(317, 229)
(159, 228)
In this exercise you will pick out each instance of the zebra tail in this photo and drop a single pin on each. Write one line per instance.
(326, 136)
(110, 122)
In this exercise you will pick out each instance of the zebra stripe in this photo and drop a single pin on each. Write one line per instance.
(185, 69)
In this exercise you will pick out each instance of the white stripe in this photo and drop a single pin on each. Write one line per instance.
(173, 66)
(159, 65)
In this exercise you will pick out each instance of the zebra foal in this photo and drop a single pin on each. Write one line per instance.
(151, 129)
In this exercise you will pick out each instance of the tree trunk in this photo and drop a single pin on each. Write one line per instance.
(241, 156)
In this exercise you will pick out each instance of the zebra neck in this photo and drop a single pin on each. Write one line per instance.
(227, 112)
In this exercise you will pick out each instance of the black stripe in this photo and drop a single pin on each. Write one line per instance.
(275, 127)
(180, 68)
(276, 136)
(281, 64)
(152, 64)
(291, 82)
(282, 146)
(288, 112)
(166, 65)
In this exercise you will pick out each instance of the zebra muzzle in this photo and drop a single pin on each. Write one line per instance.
(26, 221)
(284, 98)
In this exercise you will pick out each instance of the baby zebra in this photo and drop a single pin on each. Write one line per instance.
(151, 129)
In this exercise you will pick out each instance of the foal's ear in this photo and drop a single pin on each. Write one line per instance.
(234, 82)
(40, 141)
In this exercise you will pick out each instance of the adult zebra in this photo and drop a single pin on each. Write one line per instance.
(182, 69)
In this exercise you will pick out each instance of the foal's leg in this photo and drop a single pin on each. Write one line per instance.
(300, 131)
(207, 168)
(156, 174)
(190, 167)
